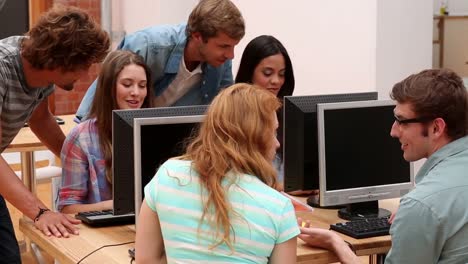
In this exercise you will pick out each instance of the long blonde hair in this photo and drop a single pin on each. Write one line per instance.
(233, 138)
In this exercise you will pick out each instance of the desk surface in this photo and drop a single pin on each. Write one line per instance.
(324, 217)
(26, 140)
(73, 249)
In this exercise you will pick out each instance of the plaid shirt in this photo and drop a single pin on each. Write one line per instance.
(84, 173)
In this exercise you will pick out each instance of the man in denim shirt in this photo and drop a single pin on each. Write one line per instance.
(431, 224)
(190, 62)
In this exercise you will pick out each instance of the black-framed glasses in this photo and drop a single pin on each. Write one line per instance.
(413, 120)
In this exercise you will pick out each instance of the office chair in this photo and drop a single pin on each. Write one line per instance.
(44, 160)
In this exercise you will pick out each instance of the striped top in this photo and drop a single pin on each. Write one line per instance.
(17, 100)
(263, 217)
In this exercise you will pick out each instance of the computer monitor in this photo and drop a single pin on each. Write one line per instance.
(300, 142)
(157, 139)
(14, 16)
(360, 163)
(123, 169)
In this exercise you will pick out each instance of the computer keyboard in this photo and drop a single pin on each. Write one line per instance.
(363, 228)
(105, 218)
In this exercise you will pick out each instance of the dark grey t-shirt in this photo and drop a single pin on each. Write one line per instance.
(17, 100)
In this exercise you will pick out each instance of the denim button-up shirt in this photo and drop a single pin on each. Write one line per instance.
(162, 47)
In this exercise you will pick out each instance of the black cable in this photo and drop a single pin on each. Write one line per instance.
(111, 245)
(131, 252)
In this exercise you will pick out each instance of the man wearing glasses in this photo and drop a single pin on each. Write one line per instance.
(431, 225)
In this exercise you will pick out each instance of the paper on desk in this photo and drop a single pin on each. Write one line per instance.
(298, 205)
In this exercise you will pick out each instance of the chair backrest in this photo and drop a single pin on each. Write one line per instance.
(44, 162)
(56, 184)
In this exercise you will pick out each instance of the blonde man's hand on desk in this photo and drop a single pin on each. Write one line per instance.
(322, 238)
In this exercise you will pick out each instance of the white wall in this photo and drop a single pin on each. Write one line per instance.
(330, 44)
(139, 14)
(404, 41)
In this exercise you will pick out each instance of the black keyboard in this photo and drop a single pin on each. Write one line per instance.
(105, 218)
(363, 228)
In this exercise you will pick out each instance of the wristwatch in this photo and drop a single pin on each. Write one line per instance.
(41, 212)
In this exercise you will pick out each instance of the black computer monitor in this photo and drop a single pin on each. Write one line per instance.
(123, 168)
(14, 18)
(360, 163)
(157, 139)
(300, 141)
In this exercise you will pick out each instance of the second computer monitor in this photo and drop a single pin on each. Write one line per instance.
(360, 163)
(300, 143)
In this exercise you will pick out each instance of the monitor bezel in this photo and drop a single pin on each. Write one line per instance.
(295, 177)
(137, 124)
(123, 149)
(361, 194)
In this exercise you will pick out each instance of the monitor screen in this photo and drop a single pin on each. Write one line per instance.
(123, 169)
(300, 141)
(359, 160)
(156, 140)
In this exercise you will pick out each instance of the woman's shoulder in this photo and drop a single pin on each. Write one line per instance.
(261, 191)
(176, 172)
(177, 163)
(83, 131)
(84, 126)
(175, 167)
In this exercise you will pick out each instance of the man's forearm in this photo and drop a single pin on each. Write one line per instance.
(344, 253)
(14, 191)
(49, 133)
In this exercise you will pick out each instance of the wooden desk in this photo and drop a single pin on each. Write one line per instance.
(71, 250)
(26, 143)
(323, 218)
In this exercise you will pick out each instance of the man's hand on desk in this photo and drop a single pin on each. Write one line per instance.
(323, 238)
(318, 237)
(392, 217)
(57, 224)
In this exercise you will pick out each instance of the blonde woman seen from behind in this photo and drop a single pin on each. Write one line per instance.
(218, 203)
